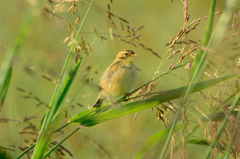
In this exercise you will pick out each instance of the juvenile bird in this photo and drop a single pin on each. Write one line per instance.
(119, 78)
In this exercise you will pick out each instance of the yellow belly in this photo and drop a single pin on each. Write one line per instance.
(122, 82)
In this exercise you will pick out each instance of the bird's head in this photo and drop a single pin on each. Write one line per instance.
(126, 55)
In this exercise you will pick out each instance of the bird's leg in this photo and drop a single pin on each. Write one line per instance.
(113, 104)
(126, 96)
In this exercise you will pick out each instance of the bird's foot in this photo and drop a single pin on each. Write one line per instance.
(126, 96)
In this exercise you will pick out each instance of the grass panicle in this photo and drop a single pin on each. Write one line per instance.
(192, 96)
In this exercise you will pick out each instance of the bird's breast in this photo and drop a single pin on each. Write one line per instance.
(122, 81)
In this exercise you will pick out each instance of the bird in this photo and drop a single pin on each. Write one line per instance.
(118, 79)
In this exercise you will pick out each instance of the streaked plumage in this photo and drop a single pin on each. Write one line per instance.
(119, 78)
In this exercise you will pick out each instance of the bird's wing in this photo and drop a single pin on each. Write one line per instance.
(106, 78)
(114, 66)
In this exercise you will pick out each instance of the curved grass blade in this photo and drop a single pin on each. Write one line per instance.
(154, 140)
(204, 142)
(201, 55)
(4, 87)
(195, 73)
(220, 116)
(93, 119)
(6, 68)
(32, 146)
(229, 145)
(68, 59)
(57, 91)
(2, 156)
(198, 141)
(44, 138)
(192, 131)
(78, 118)
(221, 28)
(163, 134)
(47, 130)
(220, 130)
(63, 91)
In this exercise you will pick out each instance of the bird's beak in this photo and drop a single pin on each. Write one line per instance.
(134, 55)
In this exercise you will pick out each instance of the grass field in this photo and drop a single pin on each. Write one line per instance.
(52, 56)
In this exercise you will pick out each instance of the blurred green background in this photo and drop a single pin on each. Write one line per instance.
(44, 53)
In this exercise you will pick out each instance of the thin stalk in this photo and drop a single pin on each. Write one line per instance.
(31, 147)
(185, 137)
(50, 115)
(220, 130)
(26, 151)
(165, 73)
(222, 26)
(198, 63)
(69, 54)
(59, 143)
(229, 145)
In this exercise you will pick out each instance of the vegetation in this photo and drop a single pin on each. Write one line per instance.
(186, 100)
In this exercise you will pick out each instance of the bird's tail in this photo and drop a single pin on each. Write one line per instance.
(98, 103)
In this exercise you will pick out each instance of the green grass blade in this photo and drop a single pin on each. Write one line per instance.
(47, 130)
(43, 140)
(221, 28)
(25, 152)
(67, 83)
(97, 118)
(4, 87)
(201, 55)
(203, 142)
(57, 98)
(192, 131)
(219, 116)
(2, 156)
(6, 68)
(195, 73)
(62, 91)
(59, 143)
(161, 135)
(154, 140)
(198, 141)
(67, 60)
(229, 145)
(161, 75)
(32, 146)
(78, 118)
(220, 130)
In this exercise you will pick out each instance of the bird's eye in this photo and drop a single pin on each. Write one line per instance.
(126, 54)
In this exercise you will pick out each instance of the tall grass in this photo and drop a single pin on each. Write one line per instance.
(172, 107)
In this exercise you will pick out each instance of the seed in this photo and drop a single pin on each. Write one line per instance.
(67, 38)
(77, 20)
(140, 28)
(108, 5)
(123, 20)
(121, 25)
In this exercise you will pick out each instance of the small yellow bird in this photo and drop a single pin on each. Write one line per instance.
(119, 78)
